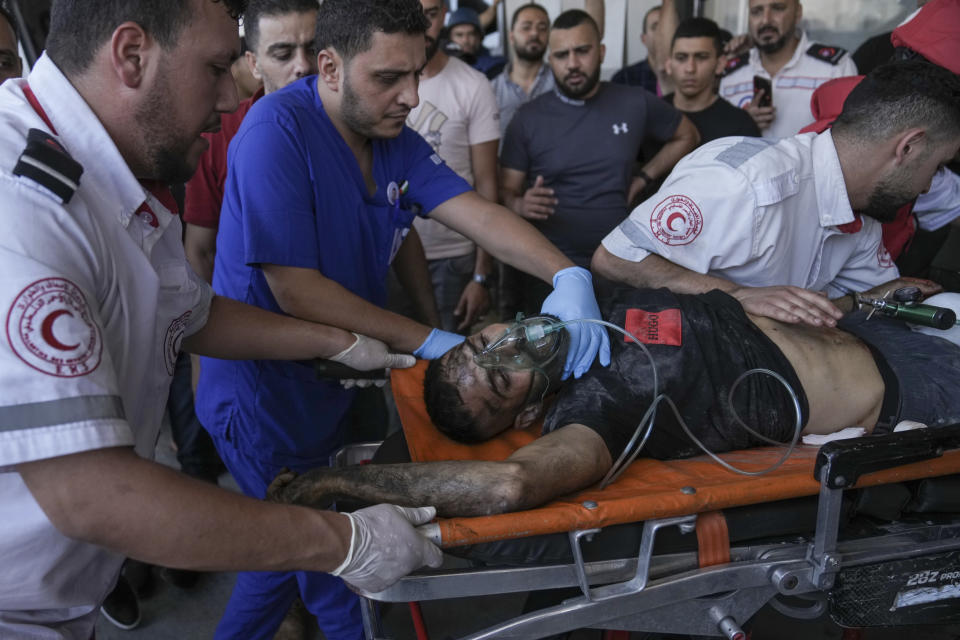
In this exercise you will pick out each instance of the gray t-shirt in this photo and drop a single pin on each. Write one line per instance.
(511, 96)
(585, 151)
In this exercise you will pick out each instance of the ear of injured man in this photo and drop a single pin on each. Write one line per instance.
(702, 345)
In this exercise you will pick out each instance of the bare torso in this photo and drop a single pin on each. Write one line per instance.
(837, 371)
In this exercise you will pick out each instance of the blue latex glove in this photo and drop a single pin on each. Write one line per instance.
(437, 344)
(572, 299)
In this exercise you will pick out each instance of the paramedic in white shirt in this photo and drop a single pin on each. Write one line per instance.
(96, 301)
(783, 55)
(790, 226)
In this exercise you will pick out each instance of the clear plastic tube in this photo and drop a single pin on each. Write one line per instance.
(645, 426)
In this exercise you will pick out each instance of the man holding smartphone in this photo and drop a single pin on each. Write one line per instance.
(775, 79)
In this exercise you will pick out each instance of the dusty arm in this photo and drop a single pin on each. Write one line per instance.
(561, 462)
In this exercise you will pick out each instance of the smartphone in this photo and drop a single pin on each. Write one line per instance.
(763, 84)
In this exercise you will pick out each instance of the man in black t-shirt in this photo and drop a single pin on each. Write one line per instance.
(870, 374)
(695, 63)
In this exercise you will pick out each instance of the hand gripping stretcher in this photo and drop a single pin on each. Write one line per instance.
(865, 529)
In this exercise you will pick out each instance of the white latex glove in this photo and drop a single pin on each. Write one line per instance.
(369, 353)
(384, 546)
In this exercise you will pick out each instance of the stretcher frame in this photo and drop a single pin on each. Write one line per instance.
(689, 592)
(672, 594)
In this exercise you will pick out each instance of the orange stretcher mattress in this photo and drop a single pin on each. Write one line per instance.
(648, 489)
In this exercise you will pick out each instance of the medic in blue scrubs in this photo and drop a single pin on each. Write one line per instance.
(323, 183)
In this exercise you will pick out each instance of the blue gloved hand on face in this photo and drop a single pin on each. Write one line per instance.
(573, 299)
(437, 344)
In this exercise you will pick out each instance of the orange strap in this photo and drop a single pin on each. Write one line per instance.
(713, 539)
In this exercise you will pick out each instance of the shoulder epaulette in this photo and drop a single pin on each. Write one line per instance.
(47, 163)
(735, 63)
(826, 52)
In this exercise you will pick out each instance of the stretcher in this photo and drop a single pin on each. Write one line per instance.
(878, 545)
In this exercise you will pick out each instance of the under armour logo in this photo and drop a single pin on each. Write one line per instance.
(620, 128)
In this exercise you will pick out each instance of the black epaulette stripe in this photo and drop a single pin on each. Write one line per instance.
(47, 150)
(48, 164)
(826, 52)
(736, 63)
(44, 179)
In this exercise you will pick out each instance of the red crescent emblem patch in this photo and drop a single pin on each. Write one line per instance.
(173, 339)
(676, 220)
(883, 257)
(51, 329)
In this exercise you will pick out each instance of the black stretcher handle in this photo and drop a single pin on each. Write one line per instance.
(844, 461)
(339, 371)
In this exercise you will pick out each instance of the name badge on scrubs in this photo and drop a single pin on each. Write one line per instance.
(401, 215)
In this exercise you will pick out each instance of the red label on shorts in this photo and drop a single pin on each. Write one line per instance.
(661, 327)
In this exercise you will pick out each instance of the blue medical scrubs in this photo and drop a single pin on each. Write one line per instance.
(295, 196)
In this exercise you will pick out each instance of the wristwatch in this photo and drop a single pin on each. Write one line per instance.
(479, 278)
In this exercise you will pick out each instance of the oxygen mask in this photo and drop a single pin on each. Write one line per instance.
(528, 344)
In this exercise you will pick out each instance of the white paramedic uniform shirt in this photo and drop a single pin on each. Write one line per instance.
(940, 205)
(759, 212)
(95, 297)
(811, 66)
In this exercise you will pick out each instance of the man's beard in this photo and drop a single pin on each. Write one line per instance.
(531, 52)
(354, 114)
(433, 45)
(584, 89)
(775, 45)
(886, 199)
(166, 150)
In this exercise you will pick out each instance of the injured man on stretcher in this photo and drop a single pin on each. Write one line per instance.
(866, 373)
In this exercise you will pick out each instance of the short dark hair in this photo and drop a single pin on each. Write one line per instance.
(574, 18)
(896, 96)
(529, 5)
(699, 28)
(444, 405)
(647, 15)
(348, 25)
(256, 9)
(9, 18)
(78, 28)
